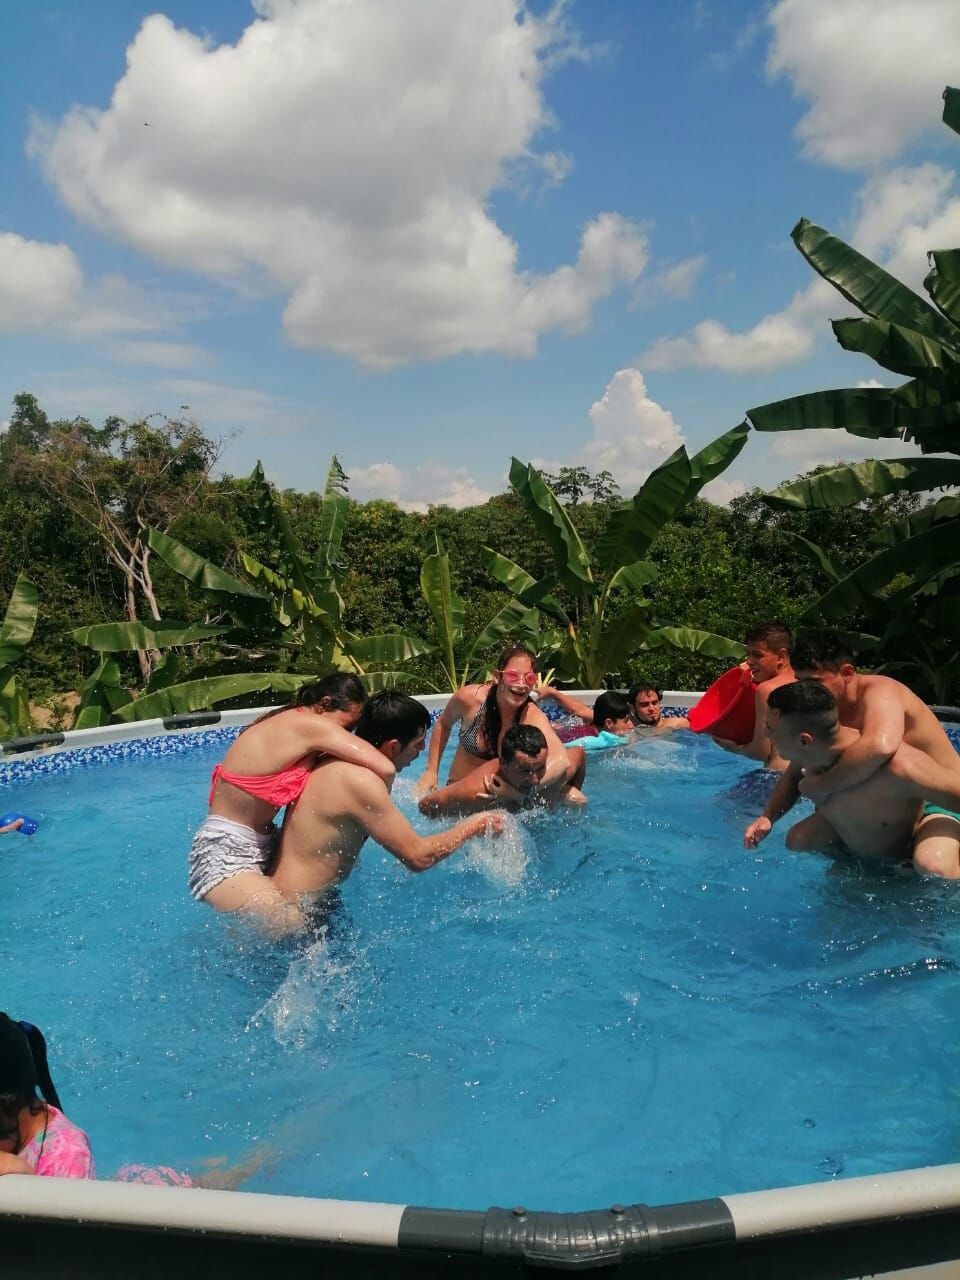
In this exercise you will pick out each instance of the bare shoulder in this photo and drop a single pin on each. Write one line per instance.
(339, 784)
(465, 700)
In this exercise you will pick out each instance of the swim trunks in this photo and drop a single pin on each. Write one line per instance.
(929, 810)
(222, 849)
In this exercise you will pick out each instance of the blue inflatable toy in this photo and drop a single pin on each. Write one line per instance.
(29, 824)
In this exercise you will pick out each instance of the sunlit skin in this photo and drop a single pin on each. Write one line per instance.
(646, 706)
(525, 772)
(621, 727)
(763, 663)
(768, 669)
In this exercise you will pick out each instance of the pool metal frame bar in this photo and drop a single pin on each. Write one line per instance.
(831, 1230)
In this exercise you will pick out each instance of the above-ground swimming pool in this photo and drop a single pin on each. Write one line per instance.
(608, 1004)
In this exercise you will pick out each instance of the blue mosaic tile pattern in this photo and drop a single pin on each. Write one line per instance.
(57, 762)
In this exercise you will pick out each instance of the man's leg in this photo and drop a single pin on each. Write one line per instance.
(936, 849)
(813, 835)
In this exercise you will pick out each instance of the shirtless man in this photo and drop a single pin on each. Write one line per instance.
(884, 816)
(768, 661)
(513, 781)
(646, 709)
(344, 804)
(884, 711)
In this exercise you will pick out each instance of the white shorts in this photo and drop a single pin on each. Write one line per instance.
(221, 849)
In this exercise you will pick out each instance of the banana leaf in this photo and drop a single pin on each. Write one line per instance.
(514, 619)
(617, 641)
(128, 637)
(951, 108)
(272, 519)
(333, 515)
(921, 556)
(15, 719)
(902, 350)
(202, 573)
(201, 695)
(943, 282)
(554, 526)
(633, 527)
(867, 286)
(714, 458)
(691, 640)
(872, 412)
(19, 621)
(534, 594)
(816, 555)
(633, 577)
(389, 648)
(101, 695)
(890, 535)
(436, 583)
(844, 486)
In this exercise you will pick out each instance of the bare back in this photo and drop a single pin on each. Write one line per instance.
(277, 742)
(877, 818)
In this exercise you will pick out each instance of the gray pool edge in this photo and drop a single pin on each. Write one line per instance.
(595, 1238)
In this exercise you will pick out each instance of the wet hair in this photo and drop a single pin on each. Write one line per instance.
(611, 705)
(23, 1069)
(773, 633)
(639, 688)
(342, 690)
(521, 739)
(491, 712)
(392, 714)
(810, 704)
(820, 651)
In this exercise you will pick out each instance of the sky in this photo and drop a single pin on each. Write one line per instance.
(429, 235)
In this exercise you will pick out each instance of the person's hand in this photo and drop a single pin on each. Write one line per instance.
(545, 691)
(10, 1163)
(426, 783)
(498, 788)
(492, 824)
(11, 826)
(758, 830)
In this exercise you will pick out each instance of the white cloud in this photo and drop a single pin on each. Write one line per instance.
(39, 282)
(632, 433)
(871, 70)
(677, 280)
(818, 447)
(165, 355)
(345, 155)
(898, 216)
(722, 491)
(418, 489)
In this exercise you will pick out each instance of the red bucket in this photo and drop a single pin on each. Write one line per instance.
(728, 709)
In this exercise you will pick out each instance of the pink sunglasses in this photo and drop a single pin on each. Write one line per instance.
(513, 676)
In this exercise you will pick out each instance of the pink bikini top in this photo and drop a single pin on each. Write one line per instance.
(279, 788)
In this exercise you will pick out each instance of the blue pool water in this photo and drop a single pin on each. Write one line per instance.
(613, 1005)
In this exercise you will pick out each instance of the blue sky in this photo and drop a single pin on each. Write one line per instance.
(429, 234)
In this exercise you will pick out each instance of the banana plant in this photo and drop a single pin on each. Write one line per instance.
(291, 608)
(16, 632)
(460, 661)
(609, 618)
(919, 340)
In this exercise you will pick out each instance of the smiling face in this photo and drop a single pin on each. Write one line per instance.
(646, 706)
(515, 681)
(765, 663)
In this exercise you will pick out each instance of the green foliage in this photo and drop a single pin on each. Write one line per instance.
(16, 632)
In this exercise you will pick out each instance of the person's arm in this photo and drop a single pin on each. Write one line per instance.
(10, 1163)
(567, 702)
(884, 723)
(470, 792)
(666, 724)
(443, 726)
(11, 826)
(325, 735)
(925, 778)
(782, 799)
(384, 822)
(557, 763)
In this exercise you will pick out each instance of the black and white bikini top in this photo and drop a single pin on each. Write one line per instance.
(470, 736)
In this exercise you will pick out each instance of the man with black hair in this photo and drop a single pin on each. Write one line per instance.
(340, 808)
(906, 808)
(513, 781)
(884, 712)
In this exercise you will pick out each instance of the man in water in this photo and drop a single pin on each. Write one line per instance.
(884, 816)
(768, 661)
(344, 804)
(513, 781)
(883, 711)
(645, 703)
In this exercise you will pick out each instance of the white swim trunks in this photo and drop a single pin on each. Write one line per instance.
(221, 849)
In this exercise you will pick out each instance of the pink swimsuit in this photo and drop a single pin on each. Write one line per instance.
(280, 788)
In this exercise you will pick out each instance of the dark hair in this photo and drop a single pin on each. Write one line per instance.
(611, 705)
(23, 1068)
(810, 702)
(636, 689)
(491, 712)
(820, 651)
(773, 633)
(392, 714)
(342, 689)
(522, 739)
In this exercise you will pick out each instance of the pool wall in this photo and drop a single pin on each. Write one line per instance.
(839, 1229)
